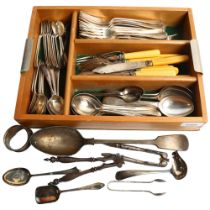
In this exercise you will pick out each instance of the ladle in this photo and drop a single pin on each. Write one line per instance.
(178, 170)
(63, 140)
(87, 104)
(128, 94)
(21, 176)
(51, 193)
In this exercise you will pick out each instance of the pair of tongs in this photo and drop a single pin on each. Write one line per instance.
(124, 186)
(105, 157)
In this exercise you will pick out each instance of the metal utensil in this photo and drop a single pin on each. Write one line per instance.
(41, 100)
(55, 104)
(117, 189)
(128, 94)
(178, 170)
(48, 194)
(88, 104)
(105, 157)
(63, 140)
(118, 161)
(119, 67)
(178, 105)
(170, 90)
(88, 63)
(21, 176)
(120, 28)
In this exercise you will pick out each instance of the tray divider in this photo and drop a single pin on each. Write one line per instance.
(70, 65)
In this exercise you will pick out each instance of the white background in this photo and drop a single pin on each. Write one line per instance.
(191, 192)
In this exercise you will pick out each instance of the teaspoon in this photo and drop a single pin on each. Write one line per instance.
(21, 176)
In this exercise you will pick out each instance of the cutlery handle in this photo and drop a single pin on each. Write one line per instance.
(94, 186)
(170, 60)
(170, 72)
(73, 159)
(141, 54)
(120, 175)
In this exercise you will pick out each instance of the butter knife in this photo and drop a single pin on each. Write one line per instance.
(118, 67)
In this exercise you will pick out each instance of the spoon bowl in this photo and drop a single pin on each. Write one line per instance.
(55, 104)
(40, 104)
(128, 94)
(17, 176)
(176, 106)
(85, 104)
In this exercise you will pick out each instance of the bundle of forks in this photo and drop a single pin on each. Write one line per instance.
(93, 27)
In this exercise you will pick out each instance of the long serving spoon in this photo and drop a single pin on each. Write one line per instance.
(51, 193)
(64, 140)
(178, 170)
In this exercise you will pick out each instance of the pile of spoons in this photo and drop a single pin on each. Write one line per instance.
(172, 101)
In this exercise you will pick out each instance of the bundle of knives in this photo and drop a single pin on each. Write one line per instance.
(142, 63)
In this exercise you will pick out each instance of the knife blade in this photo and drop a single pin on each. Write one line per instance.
(118, 67)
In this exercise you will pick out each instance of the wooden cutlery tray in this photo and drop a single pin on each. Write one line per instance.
(181, 18)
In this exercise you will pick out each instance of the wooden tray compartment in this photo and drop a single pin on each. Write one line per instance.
(174, 16)
(171, 47)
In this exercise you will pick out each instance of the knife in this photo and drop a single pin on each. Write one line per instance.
(118, 67)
